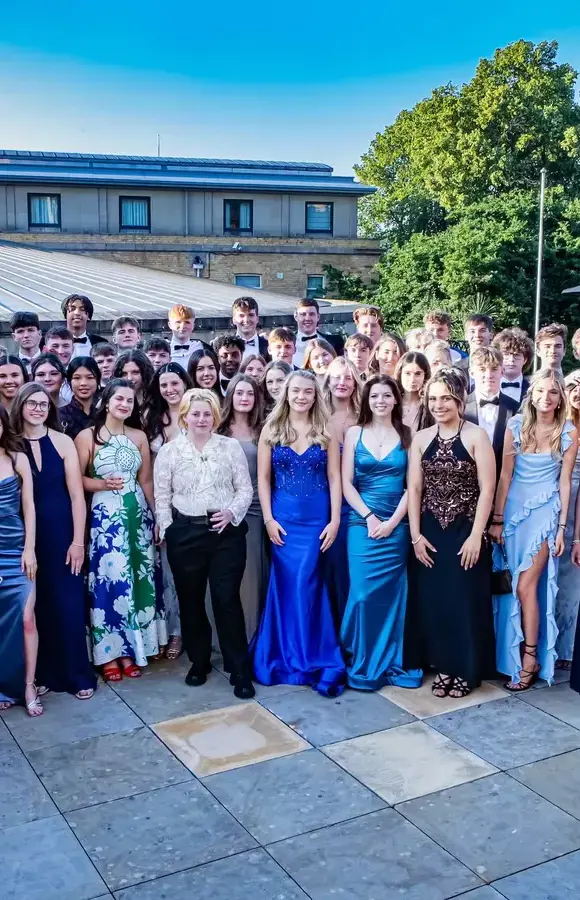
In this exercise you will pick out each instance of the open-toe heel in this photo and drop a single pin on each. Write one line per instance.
(459, 689)
(441, 686)
(527, 678)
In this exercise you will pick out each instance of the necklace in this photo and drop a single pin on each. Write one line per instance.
(381, 441)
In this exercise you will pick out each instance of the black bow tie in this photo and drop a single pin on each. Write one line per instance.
(507, 384)
(224, 383)
(494, 402)
(80, 340)
(308, 337)
(251, 340)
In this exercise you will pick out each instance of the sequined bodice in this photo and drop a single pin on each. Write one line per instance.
(300, 475)
(450, 486)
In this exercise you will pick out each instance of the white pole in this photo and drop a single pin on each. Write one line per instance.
(540, 259)
(158, 145)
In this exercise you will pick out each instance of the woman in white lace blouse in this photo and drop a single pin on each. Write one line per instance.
(202, 494)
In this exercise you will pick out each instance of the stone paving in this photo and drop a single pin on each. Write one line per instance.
(156, 790)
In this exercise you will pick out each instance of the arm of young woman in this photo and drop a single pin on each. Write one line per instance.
(145, 473)
(507, 471)
(568, 460)
(274, 529)
(163, 490)
(22, 466)
(84, 444)
(421, 545)
(75, 556)
(351, 495)
(485, 463)
(328, 534)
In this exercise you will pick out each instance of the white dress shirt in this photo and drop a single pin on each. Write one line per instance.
(196, 482)
(252, 345)
(28, 360)
(180, 353)
(81, 345)
(301, 345)
(514, 392)
(487, 416)
(65, 394)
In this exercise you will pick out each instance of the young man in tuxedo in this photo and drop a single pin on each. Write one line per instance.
(78, 312)
(369, 321)
(551, 346)
(517, 350)
(307, 316)
(282, 346)
(245, 316)
(229, 349)
(27, 334)
(181, 321)
(487, 406)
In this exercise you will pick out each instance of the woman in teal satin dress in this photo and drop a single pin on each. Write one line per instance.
(374, 468)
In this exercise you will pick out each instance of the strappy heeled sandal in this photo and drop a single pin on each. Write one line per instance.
(459, 689)
(35, 707)
(527, 678)
(174, 647)
(441, 686)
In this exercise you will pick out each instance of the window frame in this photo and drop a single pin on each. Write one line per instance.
(142, 228)
(236, 231)
(34, 195)
(308, 230)
(314, 296)
(248, 275)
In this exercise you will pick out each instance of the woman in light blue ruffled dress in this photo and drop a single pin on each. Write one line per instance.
(531, 506)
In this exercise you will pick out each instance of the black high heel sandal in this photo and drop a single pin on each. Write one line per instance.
(459, 689)
(527, 678)
(441, 684)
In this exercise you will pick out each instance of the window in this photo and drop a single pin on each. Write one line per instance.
(319, 217)
(238, 216)
(135, 213)
(315, 286)
(44, 210)
(249, 281)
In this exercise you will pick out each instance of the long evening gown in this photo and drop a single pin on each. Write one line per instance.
(374, 620)
(336, 571)
(454, 627)
(170, 601)
(531, 517)
(253, 587)
(296, 641)
(127, 615)
(568, 580)
(63, 660)
(15, 590)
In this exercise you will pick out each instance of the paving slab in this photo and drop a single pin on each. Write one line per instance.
(325, 720)
(508, 733)
(375, 857)
(228, 738)
(248, 875)
(67, 719)
(557, 779)
(421, 703)
(43, 861)
(106, 768)
(558, 701)
(22, 796)
(483, 893)
(143, 837)
(284, 797)
(406, 762)
(558, 879)
(495, 826)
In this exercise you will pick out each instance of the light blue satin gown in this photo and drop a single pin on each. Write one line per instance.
(531, 517)
(374, 620)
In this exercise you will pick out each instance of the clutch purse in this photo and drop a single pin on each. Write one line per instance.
(501, 579)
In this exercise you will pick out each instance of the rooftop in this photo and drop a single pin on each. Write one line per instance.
(36, 166)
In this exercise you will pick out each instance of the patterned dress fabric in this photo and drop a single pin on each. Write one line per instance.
(127, 616)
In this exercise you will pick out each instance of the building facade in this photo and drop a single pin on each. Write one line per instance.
(255, 224)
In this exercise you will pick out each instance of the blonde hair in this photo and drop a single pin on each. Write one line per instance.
(181, 312)
(341, 362)
(199, 395)
(316, 344)
(278, 428)
(438, 350)
(530, 417)
(486, 358)
(571, 382)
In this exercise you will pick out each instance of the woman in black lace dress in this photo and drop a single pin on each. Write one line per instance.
(451, 488)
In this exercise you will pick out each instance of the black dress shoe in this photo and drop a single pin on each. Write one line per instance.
(195, 678)
(243, 688)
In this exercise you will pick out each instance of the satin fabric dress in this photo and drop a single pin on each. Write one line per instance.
(253, 587)
(296, 641)
(374, 620)
(336, 570)
(568, 580)
(15, 590)
(531, 517)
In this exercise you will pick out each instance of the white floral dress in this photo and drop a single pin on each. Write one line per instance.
(126, 619)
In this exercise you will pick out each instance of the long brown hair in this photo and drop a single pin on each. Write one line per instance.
(16, 413)
(255, 417)
(10, 442)
(365, 416)
(387, 337)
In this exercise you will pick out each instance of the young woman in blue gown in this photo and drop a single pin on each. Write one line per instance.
(300, 493)
(374, 468)
(529, 519)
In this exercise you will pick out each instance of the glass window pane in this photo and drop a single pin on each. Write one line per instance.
(238, 215)
(134, 212)
(319, 217)
(44, 210)
(315, 286)
(249, 281)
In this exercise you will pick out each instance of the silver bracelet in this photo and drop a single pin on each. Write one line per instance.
(575, 542)
(417, 541)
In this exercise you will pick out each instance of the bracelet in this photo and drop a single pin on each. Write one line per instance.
(576, 542)
(562, 526)
(368, 515)
(417, 541)
(267, 522)
(77, 545)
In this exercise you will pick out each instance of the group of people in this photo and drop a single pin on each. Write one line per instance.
(327, 512)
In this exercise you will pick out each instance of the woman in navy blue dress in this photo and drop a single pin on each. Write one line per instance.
(63, 662)
(300, 493)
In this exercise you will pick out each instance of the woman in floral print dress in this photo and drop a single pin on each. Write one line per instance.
(127, 625)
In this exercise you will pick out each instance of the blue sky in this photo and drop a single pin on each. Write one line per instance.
(310, 81)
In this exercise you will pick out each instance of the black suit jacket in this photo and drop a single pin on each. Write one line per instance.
(525, 386)
(507, 409)
(336, 341)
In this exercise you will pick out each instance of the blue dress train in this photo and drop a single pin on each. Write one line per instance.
(15, 589)
(531, 517)
(374, 621)
(296, 641)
